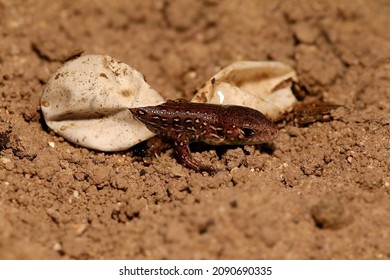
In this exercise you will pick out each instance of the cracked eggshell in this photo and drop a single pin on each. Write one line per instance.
(261, 85)
(86, 101)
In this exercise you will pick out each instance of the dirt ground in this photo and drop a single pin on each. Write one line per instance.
(320, 191)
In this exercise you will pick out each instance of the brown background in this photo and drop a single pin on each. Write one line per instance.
(322, 192)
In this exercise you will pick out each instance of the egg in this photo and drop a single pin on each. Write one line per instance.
(86, 101)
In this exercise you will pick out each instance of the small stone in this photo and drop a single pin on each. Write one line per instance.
(76, 194)
(81, 228)
(5, 160)
(57, 247)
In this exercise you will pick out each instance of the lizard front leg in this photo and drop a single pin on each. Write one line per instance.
(184, 154)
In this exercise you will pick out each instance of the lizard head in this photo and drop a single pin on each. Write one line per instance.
(245, 126)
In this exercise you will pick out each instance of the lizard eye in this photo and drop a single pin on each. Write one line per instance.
(247, 132)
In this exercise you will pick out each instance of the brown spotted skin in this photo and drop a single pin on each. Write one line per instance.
(185, 122)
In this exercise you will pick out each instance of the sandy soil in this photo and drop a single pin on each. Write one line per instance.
(321, 192)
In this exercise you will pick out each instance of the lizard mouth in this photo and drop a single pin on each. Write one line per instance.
(272, 133)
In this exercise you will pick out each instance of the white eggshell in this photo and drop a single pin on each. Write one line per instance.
(86, 101)
(252, 84)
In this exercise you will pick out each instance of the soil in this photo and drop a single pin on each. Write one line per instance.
(320, 191)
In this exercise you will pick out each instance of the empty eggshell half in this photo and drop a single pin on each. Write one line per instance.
(261, 85)
(87, 99)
